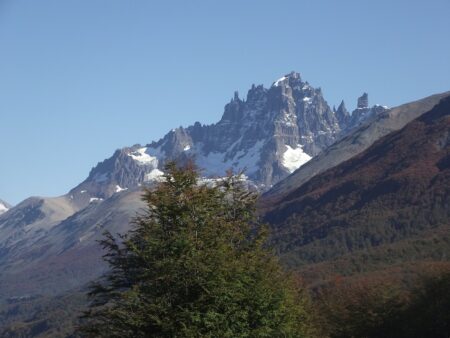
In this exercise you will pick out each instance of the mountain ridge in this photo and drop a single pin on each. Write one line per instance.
(270, 133)
(353, 143)
(379, 202)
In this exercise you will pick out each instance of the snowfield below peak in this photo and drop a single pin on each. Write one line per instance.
(141, 157)
(154, 175)
(217, 163)
(294, 158)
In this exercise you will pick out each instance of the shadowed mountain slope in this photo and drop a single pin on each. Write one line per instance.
(354, 143)
(389, 204)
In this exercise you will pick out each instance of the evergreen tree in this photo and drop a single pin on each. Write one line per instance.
(195, 265)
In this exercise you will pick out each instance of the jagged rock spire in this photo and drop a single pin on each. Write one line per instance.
(342, 114)
(363, 101)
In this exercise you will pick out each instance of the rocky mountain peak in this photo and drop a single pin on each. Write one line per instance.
(236, 96)
(256, 93)
(270, 134)
(342, 109)
(127, 168)
(362, 113)
(342, 113)
(293, 79)
(363, 101)
(177, 141)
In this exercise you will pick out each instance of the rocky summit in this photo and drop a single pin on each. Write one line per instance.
(269, 134)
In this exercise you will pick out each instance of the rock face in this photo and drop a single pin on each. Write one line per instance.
(360, 115)
(127, 168)
(363, 101)
(270, 134)
(363, 112)
(342, 114)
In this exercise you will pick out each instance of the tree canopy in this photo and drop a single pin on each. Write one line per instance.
(195, 264)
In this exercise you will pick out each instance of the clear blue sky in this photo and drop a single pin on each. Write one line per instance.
(81, 78)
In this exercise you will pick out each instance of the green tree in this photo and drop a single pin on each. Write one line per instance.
(195, 265)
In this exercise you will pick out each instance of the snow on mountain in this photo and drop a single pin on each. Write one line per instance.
(141, 157)
(3, 207)
(378, 122)
(119, 188)
(269, 134)
(277, 82)
(294, 158)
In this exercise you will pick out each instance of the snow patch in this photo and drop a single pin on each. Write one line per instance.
(186, 148)
(277, 82)
(119, 188)
(216, 163)
(289, 120)
(249, 159)
(379, 105)
(3, 208)
(213, 162)
(142, 158)
(95, 199)
(154, 175)
(294, 158)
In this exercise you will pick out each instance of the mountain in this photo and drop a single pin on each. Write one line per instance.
(271, 133)
(387, 206)
(48, 246)
(4, 206)
(66, 254)
(28, 223)
(364, 134)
